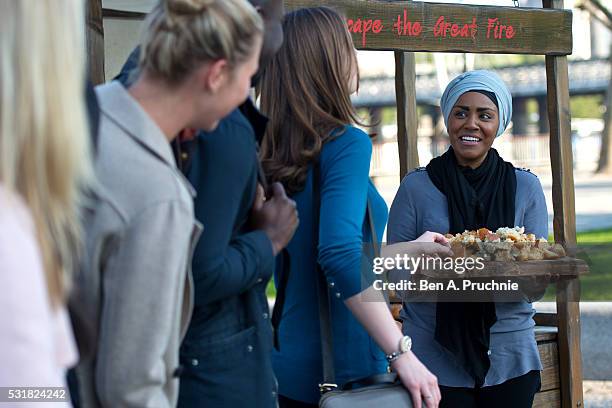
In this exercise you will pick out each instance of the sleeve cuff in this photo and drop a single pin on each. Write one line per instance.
(345, 286)
(265, 254)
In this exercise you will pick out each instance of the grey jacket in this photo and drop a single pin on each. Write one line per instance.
(136, 283)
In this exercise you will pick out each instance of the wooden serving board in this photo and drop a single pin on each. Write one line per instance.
(562, 267)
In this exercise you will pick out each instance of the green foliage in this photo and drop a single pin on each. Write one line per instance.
(484, 61)
(389, 116)
(271, 289)
(587, 106)
(595, 247)
(532, 107)
(423, 57)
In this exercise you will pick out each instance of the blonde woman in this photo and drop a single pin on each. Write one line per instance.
(197, 60)
(43, 165)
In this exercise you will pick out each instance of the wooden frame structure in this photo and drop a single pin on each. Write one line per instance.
(406, 27)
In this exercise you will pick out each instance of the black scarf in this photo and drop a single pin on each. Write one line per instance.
(481, 197)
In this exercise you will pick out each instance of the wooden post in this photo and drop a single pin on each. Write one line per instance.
(407, 121)
(564, 222)
(95, 41)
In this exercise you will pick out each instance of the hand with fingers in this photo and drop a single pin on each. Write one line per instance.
(420, 382)
(434, 244)
(428, 244)
(276, 216)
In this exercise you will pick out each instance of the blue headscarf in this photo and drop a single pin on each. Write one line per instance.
(480, 80)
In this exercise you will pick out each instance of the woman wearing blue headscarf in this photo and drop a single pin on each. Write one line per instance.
(484, 354)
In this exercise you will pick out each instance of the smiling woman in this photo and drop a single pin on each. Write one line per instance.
(472, 127)
(477, 108)
(484, 354)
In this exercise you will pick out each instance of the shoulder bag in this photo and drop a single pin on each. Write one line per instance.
(381, 390)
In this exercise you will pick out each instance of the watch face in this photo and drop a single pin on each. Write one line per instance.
(405, 344)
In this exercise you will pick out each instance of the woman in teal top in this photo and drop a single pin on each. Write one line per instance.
(305, 92)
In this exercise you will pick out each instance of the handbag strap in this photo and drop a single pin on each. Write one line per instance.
(373, 235)
(327, 349)
(376, 379)
(281, 291)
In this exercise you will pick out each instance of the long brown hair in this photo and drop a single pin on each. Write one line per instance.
(305, 92)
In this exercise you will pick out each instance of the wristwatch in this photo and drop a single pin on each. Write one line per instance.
(405, 344)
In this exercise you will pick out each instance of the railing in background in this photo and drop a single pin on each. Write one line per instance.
(531, 151)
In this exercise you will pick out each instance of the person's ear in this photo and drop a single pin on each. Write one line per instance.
(214, 75)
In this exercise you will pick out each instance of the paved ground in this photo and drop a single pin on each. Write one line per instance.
(597, 394)
(595, 334)
(593, 194)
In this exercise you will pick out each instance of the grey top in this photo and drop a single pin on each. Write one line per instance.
(418, 207)
(135, 286)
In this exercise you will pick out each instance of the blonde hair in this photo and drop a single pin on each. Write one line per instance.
(180, 34)
(44, 145)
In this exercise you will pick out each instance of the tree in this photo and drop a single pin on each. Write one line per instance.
(602, 14)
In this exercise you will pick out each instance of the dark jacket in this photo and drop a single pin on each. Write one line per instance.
(225, 356)
(226, 353)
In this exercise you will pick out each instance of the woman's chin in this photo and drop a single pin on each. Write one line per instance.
(469, 154)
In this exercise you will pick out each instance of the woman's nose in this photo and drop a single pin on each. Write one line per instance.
(471, 121)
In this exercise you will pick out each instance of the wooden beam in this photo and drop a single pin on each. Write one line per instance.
(546, 319)
(546, 334)
(547, 399)
(564, 220)
(549, 356)
(564, 223)
(95, 41)
(418, 26)
(405, 95)
(570, 362)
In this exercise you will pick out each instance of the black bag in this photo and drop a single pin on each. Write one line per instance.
(381, 390)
